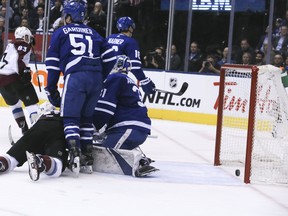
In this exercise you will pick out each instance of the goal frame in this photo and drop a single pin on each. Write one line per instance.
(251, 117)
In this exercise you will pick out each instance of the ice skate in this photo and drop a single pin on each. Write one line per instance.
(86, 169)
(36, 165)
(3, 165)
(74, 165)
(145, 168)
(74, 160)
(24, 127)
(86, 163)
(145, 161)
(86, 160)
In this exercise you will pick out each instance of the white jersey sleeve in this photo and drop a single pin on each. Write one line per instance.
(13, 54)
(9, 61)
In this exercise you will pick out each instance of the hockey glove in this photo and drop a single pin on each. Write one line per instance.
(53, 97)
(25, 76)
(147, 85)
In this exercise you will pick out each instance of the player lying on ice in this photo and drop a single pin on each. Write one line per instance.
(43, 146)
(122, 113)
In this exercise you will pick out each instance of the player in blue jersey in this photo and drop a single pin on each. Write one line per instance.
(124, 44)
(76, 51)
(121, 110)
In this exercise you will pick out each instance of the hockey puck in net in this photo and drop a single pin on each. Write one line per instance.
(237, 172)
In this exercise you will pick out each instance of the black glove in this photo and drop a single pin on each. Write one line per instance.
(147, 85)
(25, 76)
(53, 97)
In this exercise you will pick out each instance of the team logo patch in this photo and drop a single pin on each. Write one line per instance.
(173, 82)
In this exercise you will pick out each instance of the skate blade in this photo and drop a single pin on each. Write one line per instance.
(75, 167)
(86, 169)
(33, 166)
(148, 172)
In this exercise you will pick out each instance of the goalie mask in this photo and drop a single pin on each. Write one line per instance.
(122, 65)
(23, 33)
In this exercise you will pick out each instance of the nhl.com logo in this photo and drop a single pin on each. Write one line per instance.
(173, 82)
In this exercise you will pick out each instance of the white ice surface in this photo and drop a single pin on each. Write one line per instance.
(187, 184)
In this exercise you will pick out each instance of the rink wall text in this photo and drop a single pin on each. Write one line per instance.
(198, 104)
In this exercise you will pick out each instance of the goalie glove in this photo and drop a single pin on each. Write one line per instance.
(147, 85)
(53, 97)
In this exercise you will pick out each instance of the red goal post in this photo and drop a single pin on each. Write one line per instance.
(252, 125)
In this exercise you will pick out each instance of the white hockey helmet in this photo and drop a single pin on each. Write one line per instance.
(23, 33)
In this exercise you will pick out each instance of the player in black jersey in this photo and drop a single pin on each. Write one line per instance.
(43, 145)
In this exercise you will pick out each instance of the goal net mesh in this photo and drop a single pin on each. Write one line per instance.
(269, 149)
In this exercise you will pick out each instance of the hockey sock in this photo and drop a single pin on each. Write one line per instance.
(51, 166)
(46, 162)
(17, 110)
(33, 112)
(86, 134)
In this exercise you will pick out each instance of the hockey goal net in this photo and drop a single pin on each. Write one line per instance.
(252, 125)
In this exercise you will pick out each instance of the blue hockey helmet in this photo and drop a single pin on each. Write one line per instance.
(123, 24)
(75, 9)
(84, 2)
(122, 64)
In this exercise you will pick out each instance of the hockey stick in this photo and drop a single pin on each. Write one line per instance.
(36, 67)
(179, 93)
(10, 135)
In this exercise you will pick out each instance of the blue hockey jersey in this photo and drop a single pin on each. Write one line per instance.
(124, 45)
(120, 105)
(76, 47)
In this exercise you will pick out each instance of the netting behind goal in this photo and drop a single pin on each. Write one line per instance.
(252, 126)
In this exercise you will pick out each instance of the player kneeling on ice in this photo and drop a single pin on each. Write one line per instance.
(43, 146)
(121, 109)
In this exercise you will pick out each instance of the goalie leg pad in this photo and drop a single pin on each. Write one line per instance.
(116, 161)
